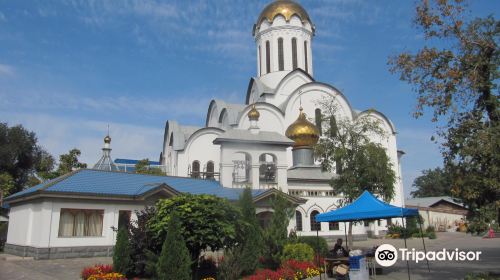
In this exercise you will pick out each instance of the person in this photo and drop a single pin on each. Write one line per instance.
(338, 250)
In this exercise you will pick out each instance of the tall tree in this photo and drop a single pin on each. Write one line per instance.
(276, 235)
(432, 182)
(143, 167)
(20, 155)
(251, 240)
(456, 75)
(174, 262)
(6, 184)
(360, 164)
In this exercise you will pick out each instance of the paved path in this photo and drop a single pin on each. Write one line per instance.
(63, 269)
(67, 269)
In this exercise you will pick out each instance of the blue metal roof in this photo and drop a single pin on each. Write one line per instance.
(102, 183)
(133, 161)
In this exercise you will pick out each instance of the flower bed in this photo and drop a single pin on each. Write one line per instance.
(101, 272)
(289, 270)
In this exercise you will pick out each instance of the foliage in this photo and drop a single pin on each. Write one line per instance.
(297, 251)
(481, 222)
(206, 221)
(276, 235)
(6, 184)
(480, 276)
(397, 231)
(143, 167)
(108, 276)
(207, 269)
(174, 262)
(317, 243)
(456, 74)
(360, 164)
(431, 235)
(121, 252)
(230, 265)
(142, 241)
(290, 270)
(69, 162)
(430, 229)
(95, 270)
(432, 182)
(3, 234)
(20, 156)
(251, 239)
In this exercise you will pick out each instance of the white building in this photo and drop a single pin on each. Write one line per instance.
(246, 144)
(265, 143)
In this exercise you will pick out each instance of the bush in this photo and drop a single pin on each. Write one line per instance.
(419, 235)
(432, 235)
(144, 247)
(121, 253)
(251, 235)
(290, 269)
(174, 262)
(229, 265)
(430, 229)
(297, 251)
(317, 244)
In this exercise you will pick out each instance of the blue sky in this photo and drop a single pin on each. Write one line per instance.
(68, 68)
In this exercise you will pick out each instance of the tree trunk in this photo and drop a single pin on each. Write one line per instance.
(349, 235)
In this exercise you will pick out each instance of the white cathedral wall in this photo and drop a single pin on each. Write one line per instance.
(200, 147)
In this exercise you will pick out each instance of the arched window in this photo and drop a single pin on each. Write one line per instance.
(267, 168)
(317, 117)
(315, 225)
(333, 226)
(260, 62)
(268, 57)
(281, 60)
(195, 169)
(298, 220)
(294, 53)
(210, 170)
(305, 56)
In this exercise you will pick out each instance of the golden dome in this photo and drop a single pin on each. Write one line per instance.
(253, 115)
(286, 8)
(107, 139)
(302, 131)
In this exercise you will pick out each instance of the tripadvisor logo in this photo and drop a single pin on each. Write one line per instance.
(387, 255)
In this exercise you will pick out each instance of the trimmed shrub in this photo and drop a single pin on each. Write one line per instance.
(297, 251)
(316, 244)
(174, 262)
(251, 235)
(121, 253)
(229, 265)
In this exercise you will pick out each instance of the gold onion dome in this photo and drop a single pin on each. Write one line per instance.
(107, 139)
(253, 114)
(286, 8)
(302, 131)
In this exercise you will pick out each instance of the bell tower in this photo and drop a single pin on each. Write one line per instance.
(283, 34)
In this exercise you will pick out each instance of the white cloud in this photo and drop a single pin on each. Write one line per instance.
(60, 134)
(6, 70)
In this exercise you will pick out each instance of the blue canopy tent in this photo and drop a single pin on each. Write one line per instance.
(368, 207)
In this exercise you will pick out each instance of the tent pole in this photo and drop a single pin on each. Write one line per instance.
(423, 242)
(345, 232)
(406, 247)
(317, 250)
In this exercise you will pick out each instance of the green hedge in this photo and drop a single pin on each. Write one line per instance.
(313, 242)
(297, 251)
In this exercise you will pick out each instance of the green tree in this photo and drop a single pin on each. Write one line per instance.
(276, 235)
(432, 182)
(69, 162)
(174, 262)
(143, 167)
(6, 184)
(456, 75)
(360, 164)
(121, 253)
(207, 221)
(251, 240)
(20, 155)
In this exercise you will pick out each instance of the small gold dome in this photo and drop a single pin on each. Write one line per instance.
(286, 8)
(107, 139)
(253, 115)
(302, 131)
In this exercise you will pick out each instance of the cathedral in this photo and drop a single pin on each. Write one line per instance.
(267, 141)
(265, 144)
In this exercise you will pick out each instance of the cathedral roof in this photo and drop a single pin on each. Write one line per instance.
(302, 131)
(285, 8)
(245, 136)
